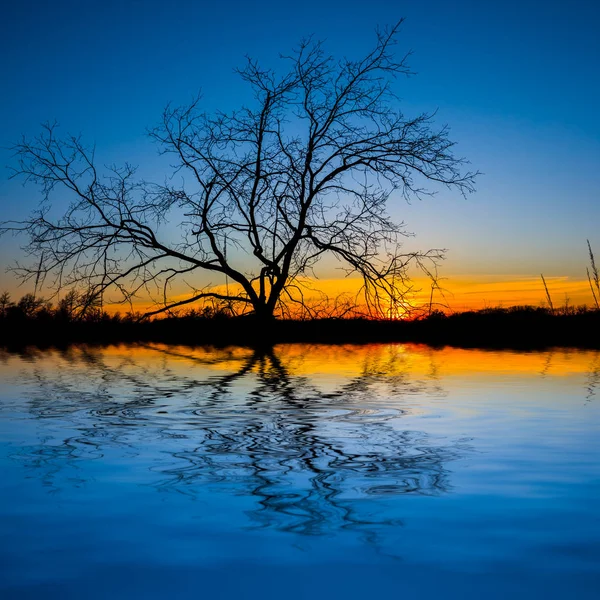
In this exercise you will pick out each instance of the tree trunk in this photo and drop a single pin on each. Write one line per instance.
(264, 313)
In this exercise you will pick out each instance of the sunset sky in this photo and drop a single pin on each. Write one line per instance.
(518, 83)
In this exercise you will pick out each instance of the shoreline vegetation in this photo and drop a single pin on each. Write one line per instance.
(35, 322)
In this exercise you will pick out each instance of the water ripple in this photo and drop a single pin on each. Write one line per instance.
(304, 455)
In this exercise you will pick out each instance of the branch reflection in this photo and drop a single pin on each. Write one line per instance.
(311, 454)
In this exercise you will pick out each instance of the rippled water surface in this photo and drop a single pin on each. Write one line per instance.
(305, 472)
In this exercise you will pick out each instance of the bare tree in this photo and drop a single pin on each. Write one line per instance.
(266, 191)
(5, 304)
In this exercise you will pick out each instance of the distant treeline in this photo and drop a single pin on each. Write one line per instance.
(34, 321)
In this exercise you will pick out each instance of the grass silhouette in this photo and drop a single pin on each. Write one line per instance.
(34, 322)
(77, 319)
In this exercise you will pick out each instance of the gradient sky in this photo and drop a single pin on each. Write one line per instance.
(517, 81)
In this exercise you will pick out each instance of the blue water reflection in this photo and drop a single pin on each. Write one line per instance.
(299, 472)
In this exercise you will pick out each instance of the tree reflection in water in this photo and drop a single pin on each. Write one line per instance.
(242, 423)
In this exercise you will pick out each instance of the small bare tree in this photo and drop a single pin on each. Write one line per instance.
(5, 304)
(270, 189)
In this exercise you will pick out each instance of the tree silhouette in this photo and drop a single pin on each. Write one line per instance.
(266, 191)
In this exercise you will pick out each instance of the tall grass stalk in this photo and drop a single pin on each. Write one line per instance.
(593, 277)
(548, 298)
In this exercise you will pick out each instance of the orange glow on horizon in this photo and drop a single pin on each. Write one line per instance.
(459, 293)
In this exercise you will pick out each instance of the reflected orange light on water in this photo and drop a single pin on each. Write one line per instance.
(420, 360)
(346, 361)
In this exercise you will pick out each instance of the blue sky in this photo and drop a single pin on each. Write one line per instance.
(518, 83)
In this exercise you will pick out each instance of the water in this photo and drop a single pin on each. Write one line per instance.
(307, 472)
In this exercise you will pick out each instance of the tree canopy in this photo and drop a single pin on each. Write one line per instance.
(261, 193)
